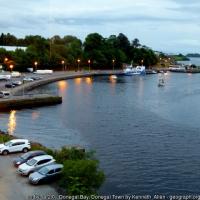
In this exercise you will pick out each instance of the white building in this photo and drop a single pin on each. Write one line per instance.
(12, 48)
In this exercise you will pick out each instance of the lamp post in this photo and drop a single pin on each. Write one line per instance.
(63, 64)
(78, 61)
(89, 62)
(142, 61)
(113, 62)
(11, 67)
(36, 64)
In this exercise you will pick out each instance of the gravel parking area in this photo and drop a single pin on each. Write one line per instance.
(16, 187)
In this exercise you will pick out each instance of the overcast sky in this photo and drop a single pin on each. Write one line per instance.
(166, 25)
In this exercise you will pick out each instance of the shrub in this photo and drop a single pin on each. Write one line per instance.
(81, 177)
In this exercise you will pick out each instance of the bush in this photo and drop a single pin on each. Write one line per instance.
(81, 177)
(5, 137)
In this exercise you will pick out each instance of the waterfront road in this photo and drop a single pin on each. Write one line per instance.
(16, 187)
(48, 78)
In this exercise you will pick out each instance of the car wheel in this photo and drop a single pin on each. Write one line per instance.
(5, 152)
(25, 150)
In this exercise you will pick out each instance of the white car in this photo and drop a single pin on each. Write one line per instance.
(27, 79)
(35, 164)
(16, 145)
(4, 94)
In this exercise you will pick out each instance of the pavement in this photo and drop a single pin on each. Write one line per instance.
(15, 187)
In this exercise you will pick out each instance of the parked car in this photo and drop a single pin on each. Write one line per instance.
(4, 94)
(35, 78)
(46, 174)
(15, 74)
(16, 145)
(27, 156)
(35, 164)
(16, 83)
(27, 79)
(10, 85)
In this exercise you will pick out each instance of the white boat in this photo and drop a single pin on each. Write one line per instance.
(161, 82)
(113, 76)
(130, 70)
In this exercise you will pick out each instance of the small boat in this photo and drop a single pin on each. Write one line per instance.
(113, 76)
(161, 82)
(130, 70)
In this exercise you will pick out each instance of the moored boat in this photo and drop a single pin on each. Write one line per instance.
(130, 70)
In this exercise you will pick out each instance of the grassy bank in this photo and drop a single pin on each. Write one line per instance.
(81, 174)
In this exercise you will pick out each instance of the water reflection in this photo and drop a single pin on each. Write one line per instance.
(35, 115)
(88, 80)
(62, 86)
(12, 122)
(78, 81)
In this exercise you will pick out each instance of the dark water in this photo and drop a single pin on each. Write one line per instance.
(147, 138)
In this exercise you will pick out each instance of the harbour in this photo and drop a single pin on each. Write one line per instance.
(160, 157)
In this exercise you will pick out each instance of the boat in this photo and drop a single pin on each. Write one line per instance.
(113, 76)
(130, 70)
(161, 82)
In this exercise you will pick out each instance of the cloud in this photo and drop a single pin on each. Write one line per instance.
(156, 23)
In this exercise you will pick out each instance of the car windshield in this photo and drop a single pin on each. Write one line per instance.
(8, 143)
(25, 156)
(31, 162)
(43, 171)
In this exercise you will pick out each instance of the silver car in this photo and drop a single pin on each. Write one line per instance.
(46, 174)
(35, 164)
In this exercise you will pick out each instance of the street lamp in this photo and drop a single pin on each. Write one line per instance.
(63, 63)
(89, 61)
(78, 61)
(113, 61)
(5, 59)
(35, 63)
(11, 67)
(142, 61)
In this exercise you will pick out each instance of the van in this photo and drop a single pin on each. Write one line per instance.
(4, 94)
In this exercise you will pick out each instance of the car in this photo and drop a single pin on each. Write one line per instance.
(46, 174)
(4, 94)
(35, 78)
(10, 85)
(16, 83)
(15, 74)
(15, 145)
(27, 156)
(35, 164)
(27, 79)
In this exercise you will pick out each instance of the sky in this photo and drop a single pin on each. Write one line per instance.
(171, 26)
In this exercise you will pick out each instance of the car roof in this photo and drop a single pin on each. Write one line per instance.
(19, 140)
(35, 152)
(53, 166)
(38, 158)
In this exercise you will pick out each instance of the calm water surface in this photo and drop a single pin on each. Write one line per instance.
(146, 137)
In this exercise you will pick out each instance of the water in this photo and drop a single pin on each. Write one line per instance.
(193, 60)
(146, 137)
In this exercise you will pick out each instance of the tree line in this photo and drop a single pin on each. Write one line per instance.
(71, 53)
